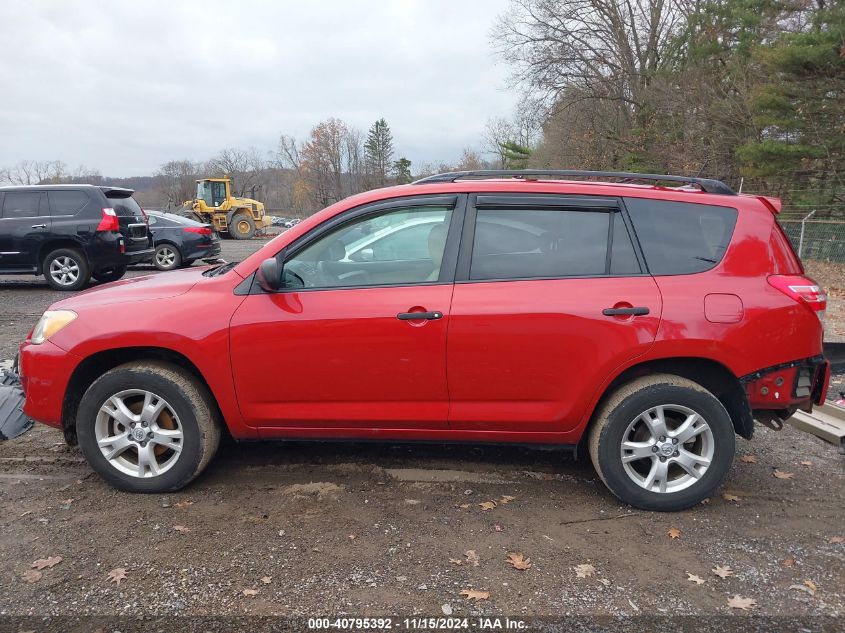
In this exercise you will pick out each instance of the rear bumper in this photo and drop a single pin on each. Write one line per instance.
(794, 385)
(210, 251)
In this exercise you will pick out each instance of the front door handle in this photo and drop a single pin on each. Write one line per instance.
(641, 311)
(39, 226)
(419, 316)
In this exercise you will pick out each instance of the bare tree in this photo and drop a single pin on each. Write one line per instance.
(497, 132)
(180, 181)
(324, 159)
(244, 166)
(33, 172)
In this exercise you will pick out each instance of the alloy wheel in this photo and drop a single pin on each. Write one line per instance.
(667, 448)
(165, 257)
(64, 270)
(139, 433)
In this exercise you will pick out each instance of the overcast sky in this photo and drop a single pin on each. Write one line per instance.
(123, 87)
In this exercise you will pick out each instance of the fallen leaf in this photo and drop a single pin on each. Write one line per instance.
(605, 582)
(748, 459)
(705, 501)
(738, 602)
(30, 575)
(782, 475)
(456, 561)
(250, 592)
(789, 562)
(729, 497)
(811, 585)
(472, 558)
(67, 502)
(698, 580)
(352, 537)
(116, 575)
(464, 506)
(49, 562)
(673, 532)
(498, 528)
(584, 571)
(722, 572)
(266, 579)
(506, 499)
(518, 561)
(487, 505)
(806, 463)
(803, 588)
(183, 504)
(181, 528)
(473, 594)
(833, 540)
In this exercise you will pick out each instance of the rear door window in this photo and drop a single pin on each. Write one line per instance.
(67, 202)
(527, 243)
(681, 238)
(21, 204)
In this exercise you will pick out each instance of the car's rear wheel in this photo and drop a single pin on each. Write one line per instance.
(106, 275)
(148, 427)
(66, 269)
(662, 443)
(242, 226)
(167, 257)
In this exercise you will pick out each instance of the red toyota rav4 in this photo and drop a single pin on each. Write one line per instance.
(644, 323)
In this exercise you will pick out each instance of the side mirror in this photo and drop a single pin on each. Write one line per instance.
(270, 274)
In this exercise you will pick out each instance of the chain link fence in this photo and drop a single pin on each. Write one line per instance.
(822, 240)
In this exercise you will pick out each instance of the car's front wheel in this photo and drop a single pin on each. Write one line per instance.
(662, 443)
(148, 427)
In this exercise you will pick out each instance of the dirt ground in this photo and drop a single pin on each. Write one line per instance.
(312, 529)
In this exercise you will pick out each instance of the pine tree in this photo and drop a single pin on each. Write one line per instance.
(402, 171)
(378, 151)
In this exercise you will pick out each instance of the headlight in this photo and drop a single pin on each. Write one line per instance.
(51, 322)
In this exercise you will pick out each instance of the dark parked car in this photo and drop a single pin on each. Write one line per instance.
(180, 241)
(70, 233)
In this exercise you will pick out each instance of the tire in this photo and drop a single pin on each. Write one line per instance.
(167, 257)
(242, 226)
(66, 269)
(188, 409)
(623, 418)
(109, 274)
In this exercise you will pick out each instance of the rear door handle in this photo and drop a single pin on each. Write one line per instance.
(419, 316)
(39, 226)
(641, 311)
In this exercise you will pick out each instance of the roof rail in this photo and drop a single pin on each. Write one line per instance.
(706, 184)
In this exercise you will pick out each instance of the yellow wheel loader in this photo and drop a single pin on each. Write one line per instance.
(214, 204)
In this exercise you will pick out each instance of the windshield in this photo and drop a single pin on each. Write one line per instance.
(204, 192)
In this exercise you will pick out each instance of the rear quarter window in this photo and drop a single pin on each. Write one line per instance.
(67, 202)
(681, 238)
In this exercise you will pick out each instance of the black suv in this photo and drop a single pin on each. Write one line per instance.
(70, 233)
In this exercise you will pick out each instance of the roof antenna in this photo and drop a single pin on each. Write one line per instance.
(703, 165)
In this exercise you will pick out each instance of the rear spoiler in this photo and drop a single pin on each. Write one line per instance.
(117, 192)
(774, 204)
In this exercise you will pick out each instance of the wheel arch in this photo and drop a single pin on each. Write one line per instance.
(710, 374)
(94, 366)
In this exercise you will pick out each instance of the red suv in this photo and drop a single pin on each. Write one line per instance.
(644, 323)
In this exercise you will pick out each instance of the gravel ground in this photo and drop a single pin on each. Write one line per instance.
(385, 529)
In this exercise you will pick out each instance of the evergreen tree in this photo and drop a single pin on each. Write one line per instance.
(514, 155)
(378, 151)
(402, 171)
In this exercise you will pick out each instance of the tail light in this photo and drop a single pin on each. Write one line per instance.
(109, 221)
(803, 290)
(202, 230)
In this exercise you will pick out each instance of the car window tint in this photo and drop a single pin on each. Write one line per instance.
(125, 206)
(623, 259)
(66, 202)
(402, 246)
(520, 244)
(680, 238)
(21, 204)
